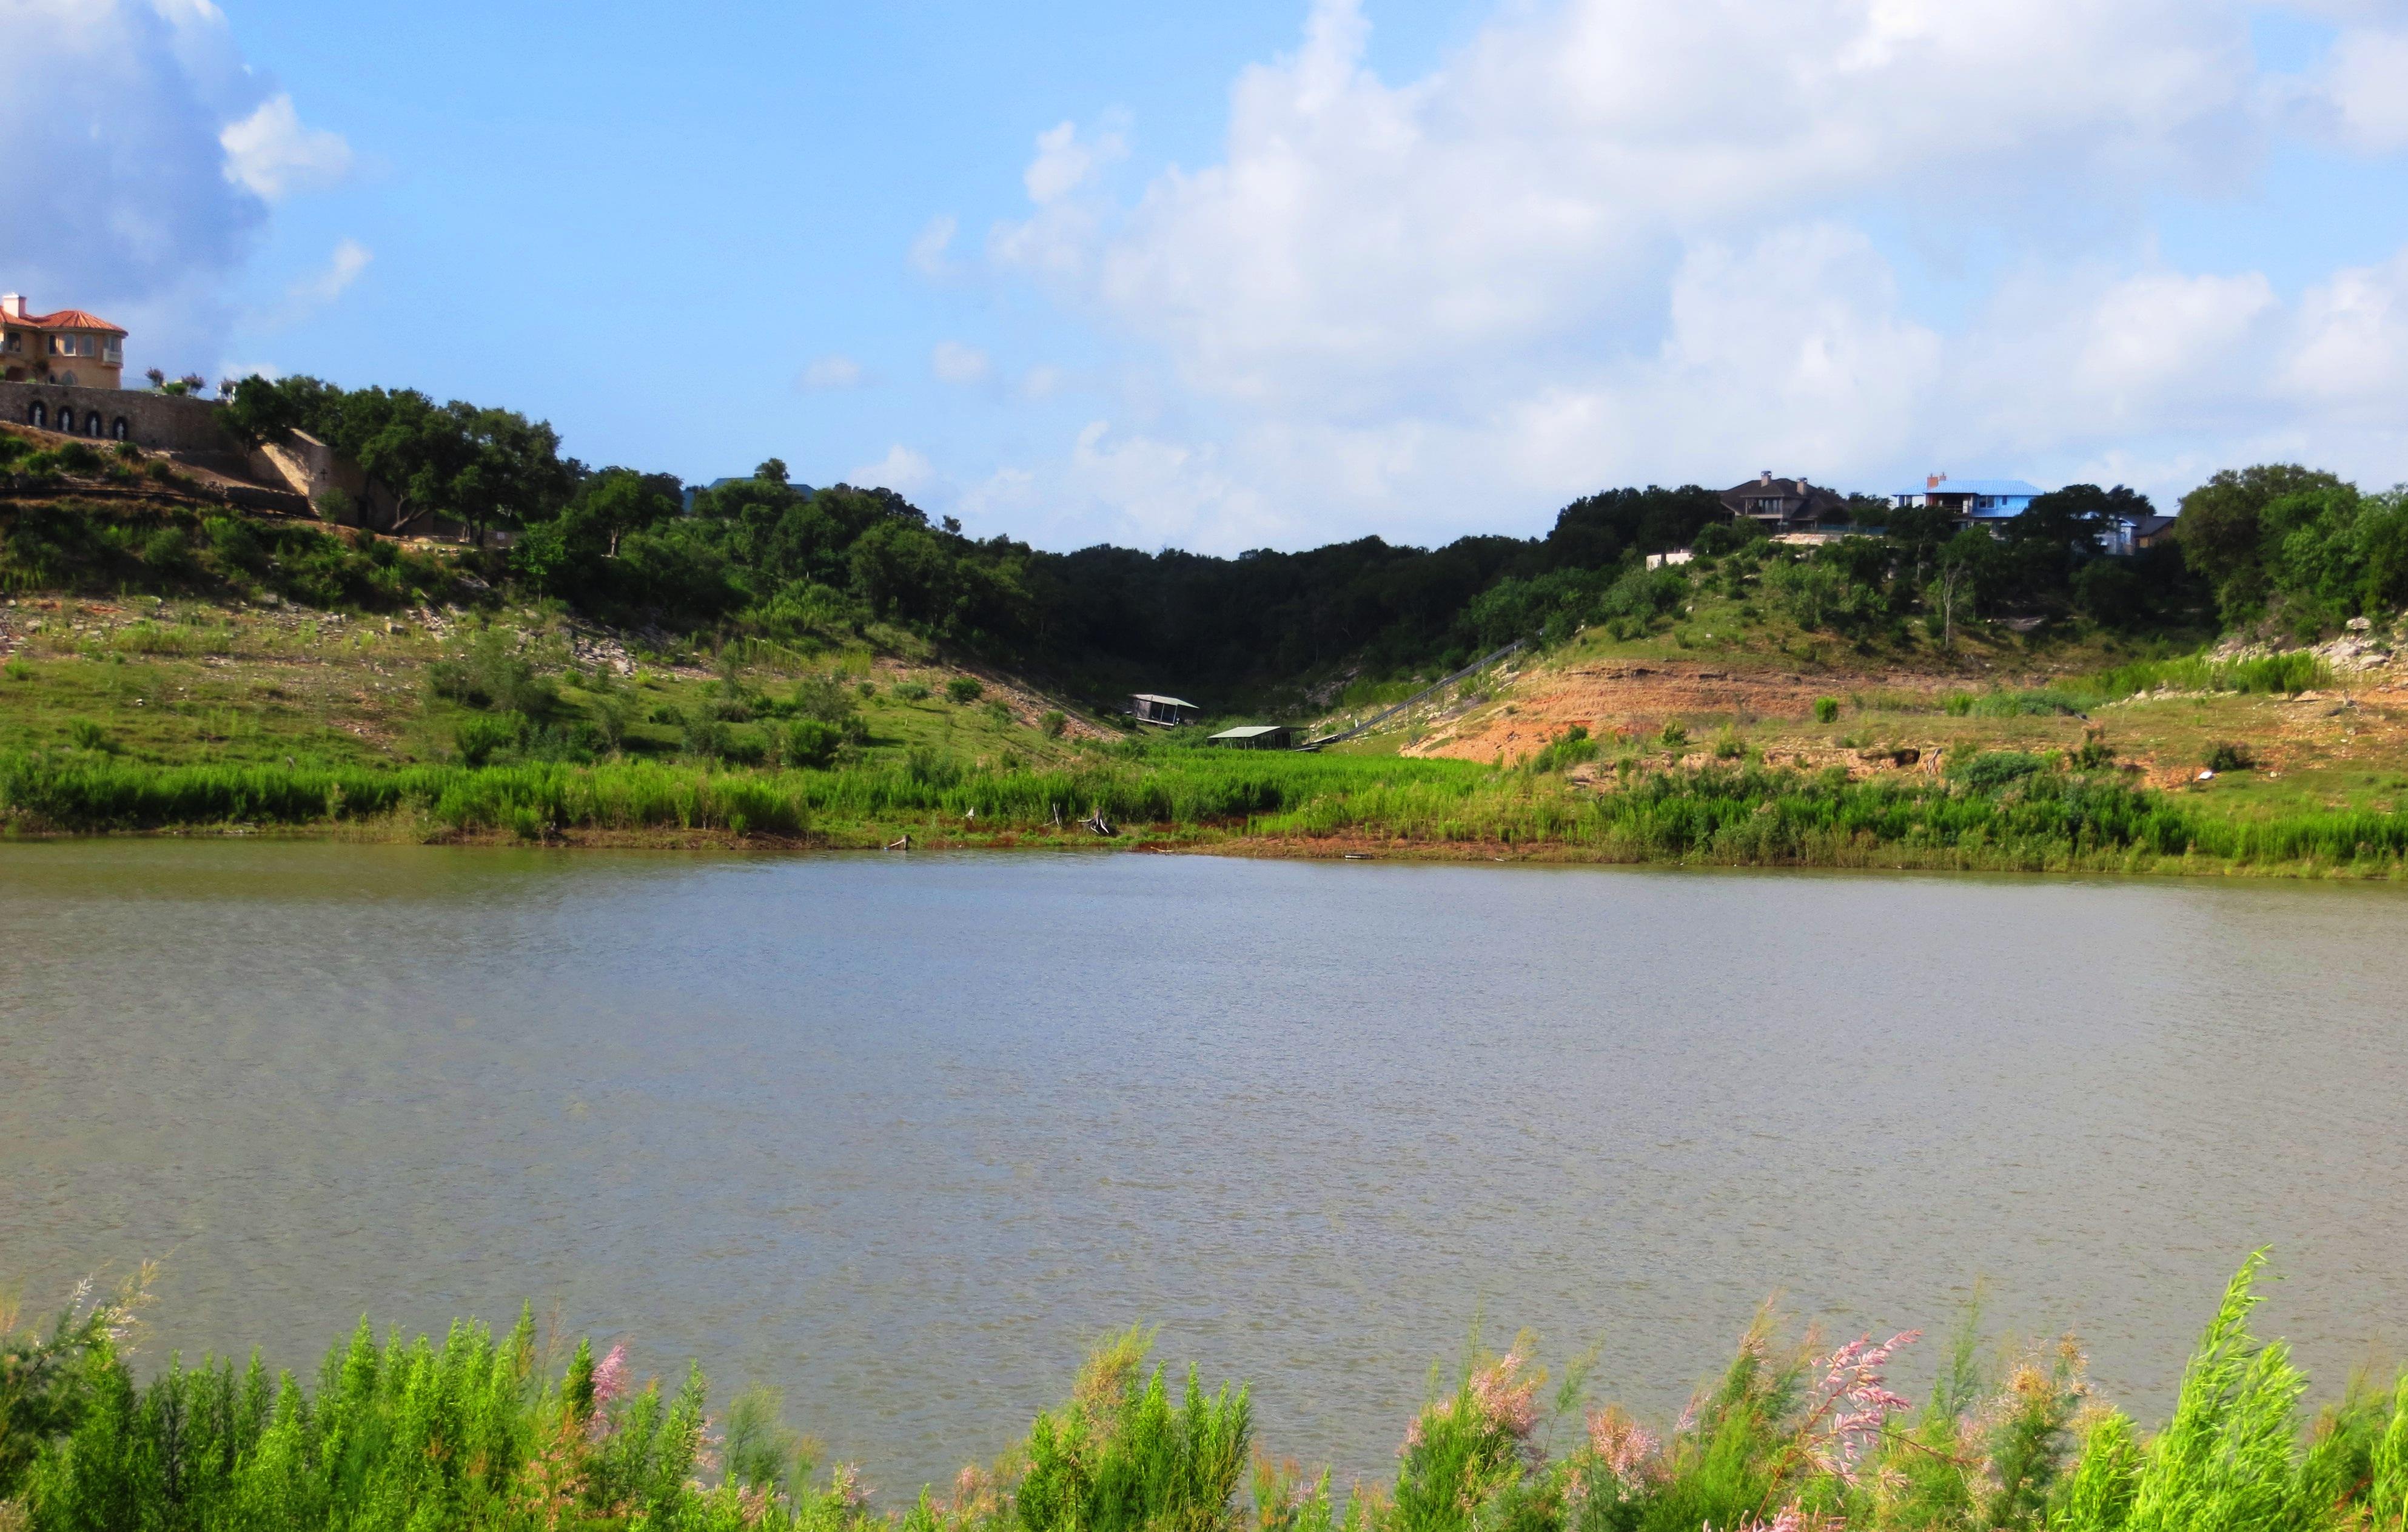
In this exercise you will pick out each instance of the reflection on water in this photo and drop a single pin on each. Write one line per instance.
(899, 1135)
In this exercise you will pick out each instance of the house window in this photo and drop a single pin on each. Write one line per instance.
(14, 342)
(69, 380)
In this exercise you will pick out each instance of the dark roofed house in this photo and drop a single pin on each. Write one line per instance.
(1785, 505)
(2132, 534)
(1148, 708)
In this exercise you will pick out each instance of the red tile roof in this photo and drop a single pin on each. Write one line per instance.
(66, 318)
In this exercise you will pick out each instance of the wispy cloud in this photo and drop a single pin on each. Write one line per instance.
(954, 363)
(320, 288)
(931, 249)
(831, 373)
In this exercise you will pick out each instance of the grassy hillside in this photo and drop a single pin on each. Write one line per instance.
(166, 664)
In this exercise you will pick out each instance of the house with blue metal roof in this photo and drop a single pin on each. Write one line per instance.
(1976, 499)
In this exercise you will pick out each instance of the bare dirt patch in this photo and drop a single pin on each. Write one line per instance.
(1636, 698)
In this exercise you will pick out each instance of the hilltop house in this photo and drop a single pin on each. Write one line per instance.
(68, 347)
(1785, 505)
(1974, 499)
(2126, 535)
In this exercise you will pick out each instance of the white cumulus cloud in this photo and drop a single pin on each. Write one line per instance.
(271, 154)
(1066, 162)
(152, 152)
(1607, 242)
(902, 470)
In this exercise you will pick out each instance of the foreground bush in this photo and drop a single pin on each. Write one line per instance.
(1796, 1437)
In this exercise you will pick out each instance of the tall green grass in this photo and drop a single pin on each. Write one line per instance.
(472, 1432)
(1999, 810)
(2284, 674)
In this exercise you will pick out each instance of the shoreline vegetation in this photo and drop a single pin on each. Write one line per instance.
(827, 668)
(1797, 1435)
(1992, 810)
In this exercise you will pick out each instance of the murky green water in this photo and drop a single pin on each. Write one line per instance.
(900, 1135)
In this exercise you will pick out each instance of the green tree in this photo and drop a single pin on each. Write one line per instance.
(2223, 533)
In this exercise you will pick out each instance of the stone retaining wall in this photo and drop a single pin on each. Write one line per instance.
(163, 422)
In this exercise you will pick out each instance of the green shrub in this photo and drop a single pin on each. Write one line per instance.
(965, 689)
(812, 744)
(1826, 709)
(1120, 1459)
(746, 748)
(86, 735)
(1567, 750)
(2229, 757)
(707, 737)
(931, 768)
(910, 691)
(1987, 771)
(232, 543)
(827, 700)
(488, 672)
(166, 550)
(1673, 735)
(477, 740)
(1053, 722)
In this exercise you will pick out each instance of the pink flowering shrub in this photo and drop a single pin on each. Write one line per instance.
(478, 1435)
(1465, 1451)
(1848, 1406)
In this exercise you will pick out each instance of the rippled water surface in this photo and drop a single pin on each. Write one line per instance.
(899, 1135)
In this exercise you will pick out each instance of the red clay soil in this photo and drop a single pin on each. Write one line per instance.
(1637, 697)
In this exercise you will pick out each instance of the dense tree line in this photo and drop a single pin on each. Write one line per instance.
(766, 555)
(773, 556)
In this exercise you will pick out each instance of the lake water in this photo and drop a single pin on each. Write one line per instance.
(899, 1135)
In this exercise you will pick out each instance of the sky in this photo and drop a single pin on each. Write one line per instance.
(1264, 273)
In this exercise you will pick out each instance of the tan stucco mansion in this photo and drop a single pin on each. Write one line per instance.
(68, 347)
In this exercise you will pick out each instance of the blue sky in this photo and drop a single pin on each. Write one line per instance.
(1266, 273)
